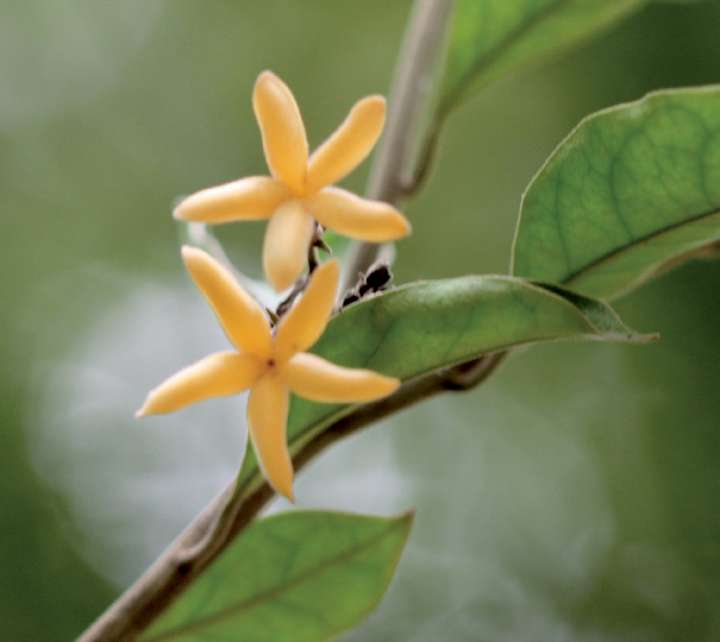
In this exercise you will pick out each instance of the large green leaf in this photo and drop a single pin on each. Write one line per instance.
(491, 37)
(422, 327)
(633, 188)
(294, 577)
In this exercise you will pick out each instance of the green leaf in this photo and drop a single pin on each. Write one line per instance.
(425, 326)
(629, 191)
(492, 37)
(294, 577)
(337, 243)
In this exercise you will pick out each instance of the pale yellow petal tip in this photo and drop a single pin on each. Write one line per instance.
(404, 226)
(267, 77)
(280, 278)
(265, 74)
(284, 488)
(187, 210)
(190, 253)
(196, 259)
(188, 207)
(375, 103)
(332, 268)
(281, 272)
(149, 406)
(394, 226)
(391, 384)
(181, 212)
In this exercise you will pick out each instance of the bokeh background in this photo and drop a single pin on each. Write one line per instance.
(572, 497)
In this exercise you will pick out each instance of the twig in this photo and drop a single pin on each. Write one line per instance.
(411, 86)
(317, 242)
(221, 522)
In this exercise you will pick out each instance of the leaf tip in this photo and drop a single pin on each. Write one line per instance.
(407, 518)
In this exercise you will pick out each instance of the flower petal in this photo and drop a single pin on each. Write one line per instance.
(252, 198)
(348, 146)
(220, 374)
(267, 418)
(357, 217)
(242, 318)
(319, 380)
(282, 129)
(302, 326)
(287, 241)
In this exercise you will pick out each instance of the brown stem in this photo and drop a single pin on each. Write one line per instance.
(216, 527)
(316, 242)
(411, 87)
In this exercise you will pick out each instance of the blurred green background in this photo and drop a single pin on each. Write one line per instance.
(572, 497)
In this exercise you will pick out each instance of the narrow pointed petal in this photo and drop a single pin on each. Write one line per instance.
(252, 198)
(282, 129)
(242, 318)
(349, 145)
(358, 218)
(302, 326)
(267, 418)
(287, 241)
(319, 380)
(220, 374)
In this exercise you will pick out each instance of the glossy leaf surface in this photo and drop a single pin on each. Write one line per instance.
(294, 577)
(421, 327)
(632, 189)
(492, 37)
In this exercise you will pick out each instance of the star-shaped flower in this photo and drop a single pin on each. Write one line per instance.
(298, 192)
(270, 364)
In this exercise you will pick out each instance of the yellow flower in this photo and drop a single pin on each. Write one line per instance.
(298, 192)
(271, 365)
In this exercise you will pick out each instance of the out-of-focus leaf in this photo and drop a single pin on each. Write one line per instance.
(631, 190)
(338, 244)
(491, 37)
(293, 577)
(425, 326)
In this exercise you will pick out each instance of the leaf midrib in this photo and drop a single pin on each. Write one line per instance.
(651, 236)
(277, 590)
(492, 54)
